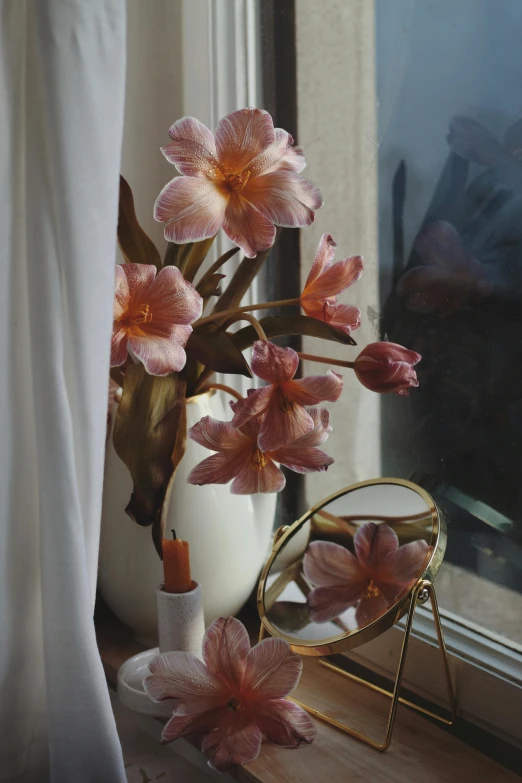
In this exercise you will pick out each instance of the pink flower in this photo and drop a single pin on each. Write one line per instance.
(449, 279)
(246, 180)
(235, 697)
(325, 281)
(152, 317)
(282, 402)
(386, 368)
(374, 578)
(240, 458)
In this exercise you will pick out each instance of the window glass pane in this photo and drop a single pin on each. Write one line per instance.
(411, 116)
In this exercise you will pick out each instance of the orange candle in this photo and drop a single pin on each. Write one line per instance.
(176, 565)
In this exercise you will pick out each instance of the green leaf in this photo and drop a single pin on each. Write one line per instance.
(188, 258)
(241, 281)
(217, 350)
(136, 246)
(279, 326)
(146, 434)
(210, 286)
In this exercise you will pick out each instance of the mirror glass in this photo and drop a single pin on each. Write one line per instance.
(349, 562)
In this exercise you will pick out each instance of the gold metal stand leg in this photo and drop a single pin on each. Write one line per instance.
(421, 592)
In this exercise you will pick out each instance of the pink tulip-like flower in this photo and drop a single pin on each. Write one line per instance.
(245, 180)
(282, 402)
(240, 458)
(325, 281)
(448, 280)
(235, 697)
(373, 579)
(387, 368)
(152, 317)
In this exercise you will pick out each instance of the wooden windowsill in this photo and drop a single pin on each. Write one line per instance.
(420, 750)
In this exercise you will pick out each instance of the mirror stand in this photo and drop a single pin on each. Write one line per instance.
(420, 594)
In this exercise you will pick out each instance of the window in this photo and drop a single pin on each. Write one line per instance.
(411, 117)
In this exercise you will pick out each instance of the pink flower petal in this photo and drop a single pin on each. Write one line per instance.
(391, 352)
(345, 318)
(217, 435)
(251, 479)
(187, 721)
(192, 207)
(160, 355)
(279, 155)
(236, 741)
(179, 675)
(118, 345)
(284, 422)
(225, 649)
(323, 258)
(327, 564)
(373, 543)
(273, 363)
(271, 671)
(396, 377)
(315, 388)
(370, 609)
(284, 197)
(406, 564)
(218, 469)
(241, 136)
(302, 460)
(294, 158)
(336, 278)
(254, 404)
(318, 435)
(328, 603)
(172, 299)
(193, 149)
(132, 282)
(247, 227)
(285, 723)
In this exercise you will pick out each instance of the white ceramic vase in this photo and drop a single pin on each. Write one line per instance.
(229, 537)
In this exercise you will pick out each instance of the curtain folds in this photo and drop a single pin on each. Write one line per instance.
(62, 78)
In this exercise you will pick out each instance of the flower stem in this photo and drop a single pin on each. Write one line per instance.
(221, 387)
(218, 264)
(325, 360)
(246, 309)
(255, 323)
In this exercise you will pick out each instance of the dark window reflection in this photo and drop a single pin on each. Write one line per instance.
(451, 260)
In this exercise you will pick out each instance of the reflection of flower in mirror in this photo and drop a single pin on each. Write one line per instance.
(372, 579)
(234, 697)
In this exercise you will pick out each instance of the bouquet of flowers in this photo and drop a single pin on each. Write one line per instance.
(172, 320)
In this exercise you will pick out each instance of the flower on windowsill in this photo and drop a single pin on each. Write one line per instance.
(387, 368)
(152, 317)
(245, 180)
(282, 402)
(235, 697)
(373, 579)
(325, 281)
(239, 458)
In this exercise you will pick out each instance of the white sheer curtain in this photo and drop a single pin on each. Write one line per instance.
(61, 115)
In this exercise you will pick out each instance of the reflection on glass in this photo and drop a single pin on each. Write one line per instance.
(349, 563)
(372, 578)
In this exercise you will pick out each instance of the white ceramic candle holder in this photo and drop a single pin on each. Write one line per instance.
(181, 627)
(181, 623)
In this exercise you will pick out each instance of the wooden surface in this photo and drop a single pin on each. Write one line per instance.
(421, 752)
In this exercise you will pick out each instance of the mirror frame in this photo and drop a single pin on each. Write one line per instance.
(342, 643)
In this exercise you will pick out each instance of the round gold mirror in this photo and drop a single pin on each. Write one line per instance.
(345, 572)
